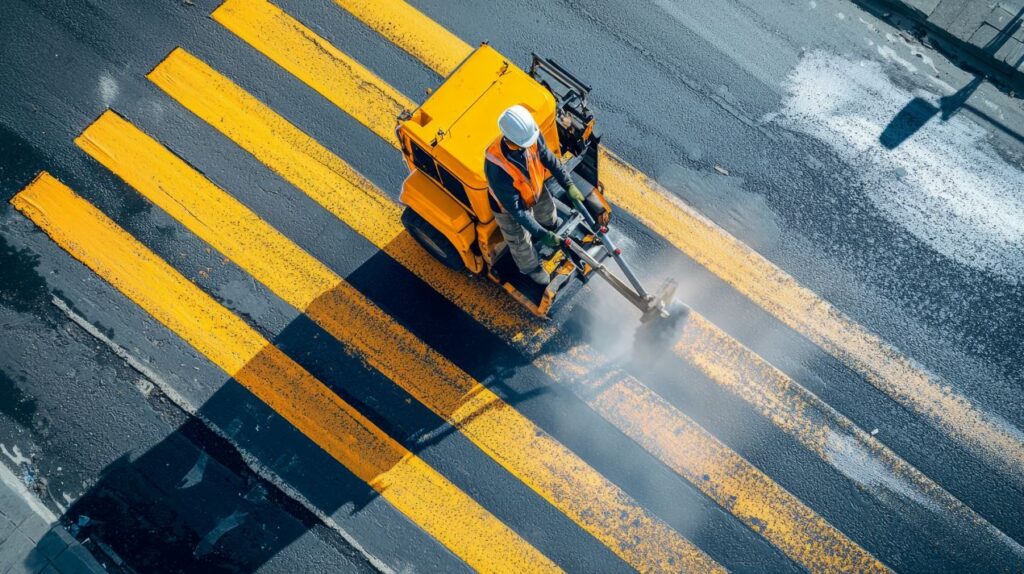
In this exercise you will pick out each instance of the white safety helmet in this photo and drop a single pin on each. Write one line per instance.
(517, 124)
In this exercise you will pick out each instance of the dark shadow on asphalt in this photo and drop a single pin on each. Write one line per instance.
(225, 518)
(919, 111)
(176, 520)
(192, 504)
(189, 504)
(151, 514)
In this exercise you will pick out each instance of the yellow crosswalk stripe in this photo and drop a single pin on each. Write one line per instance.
(741, 371)
(989, 437)
(820, 428)
(653, 423)
(403, 479)
(527, 452)
(411, 30)
(746, 493)
(790, 525)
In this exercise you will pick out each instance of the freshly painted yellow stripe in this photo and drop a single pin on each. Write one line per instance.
(409, 29)
(296, 48)
(403, 479)
(530, 454)
(794, 522)
(737, 264)
(262, 23)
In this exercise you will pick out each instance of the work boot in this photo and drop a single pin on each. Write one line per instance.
(539, 276)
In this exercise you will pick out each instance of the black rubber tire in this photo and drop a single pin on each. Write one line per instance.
(432, 240)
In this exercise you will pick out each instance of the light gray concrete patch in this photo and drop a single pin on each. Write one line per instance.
(34, 527)
(944, 184)
(6, 526)
(16, 500)
(15, 550)
(29, 537)
(926, 7)
(33, 563)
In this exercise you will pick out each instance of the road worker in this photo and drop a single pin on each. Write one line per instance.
(521, 171)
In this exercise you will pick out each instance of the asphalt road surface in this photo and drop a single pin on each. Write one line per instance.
(222, 353)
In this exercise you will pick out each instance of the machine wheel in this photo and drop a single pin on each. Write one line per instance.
(432, 240)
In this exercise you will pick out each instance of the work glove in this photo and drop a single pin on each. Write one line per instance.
(550, 239)
(574, 193)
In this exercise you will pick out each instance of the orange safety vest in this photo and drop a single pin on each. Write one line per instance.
(529, 188)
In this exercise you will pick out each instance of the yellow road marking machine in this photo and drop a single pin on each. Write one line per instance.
(447, 207)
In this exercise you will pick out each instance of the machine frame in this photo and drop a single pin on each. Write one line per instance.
(444, 140)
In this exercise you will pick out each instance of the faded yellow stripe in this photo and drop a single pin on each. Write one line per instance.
(834, 438)
(833, 551)
(733, 483)
(802, 310)
(741, 267)
(537, 459)
(403, 479)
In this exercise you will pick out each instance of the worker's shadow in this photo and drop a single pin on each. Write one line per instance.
(918, 111)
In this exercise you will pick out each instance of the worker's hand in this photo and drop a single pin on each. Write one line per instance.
(574, 193)
(550, 239)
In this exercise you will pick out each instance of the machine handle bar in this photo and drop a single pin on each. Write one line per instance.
(610, 247)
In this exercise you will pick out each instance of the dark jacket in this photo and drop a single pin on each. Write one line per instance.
(508, 196)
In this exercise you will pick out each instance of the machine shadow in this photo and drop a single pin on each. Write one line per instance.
(450, 330)
(192, 503)
(919, 111)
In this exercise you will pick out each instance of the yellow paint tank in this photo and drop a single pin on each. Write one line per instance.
(460, 119)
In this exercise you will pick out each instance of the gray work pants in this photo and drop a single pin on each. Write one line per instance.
(518, 238)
